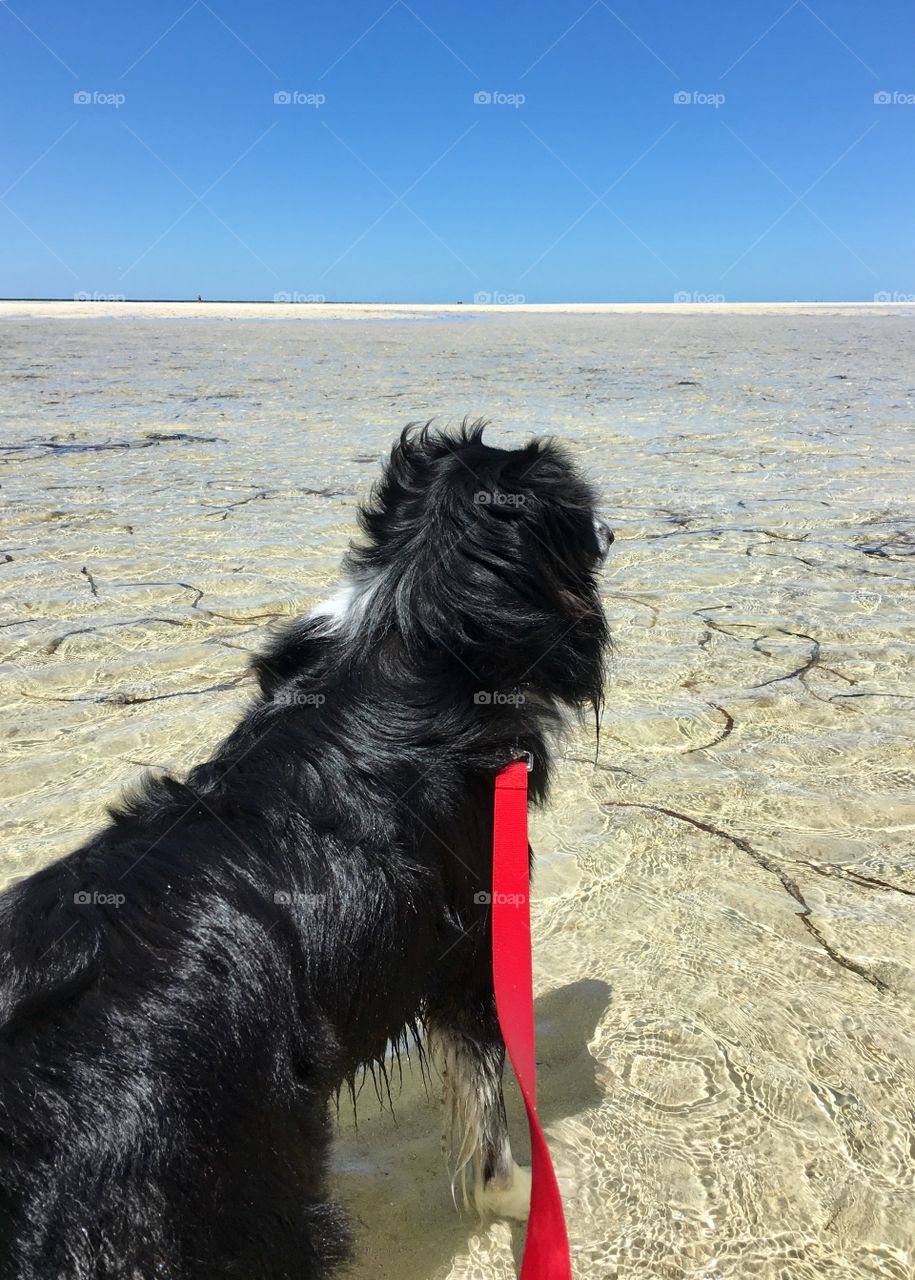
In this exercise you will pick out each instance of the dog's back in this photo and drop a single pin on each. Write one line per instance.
(149, 1109)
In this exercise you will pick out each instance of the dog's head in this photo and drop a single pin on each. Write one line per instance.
(488, 557)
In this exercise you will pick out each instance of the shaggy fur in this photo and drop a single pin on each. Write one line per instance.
(183, 996)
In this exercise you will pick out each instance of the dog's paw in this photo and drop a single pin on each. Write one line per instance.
(507, 1197)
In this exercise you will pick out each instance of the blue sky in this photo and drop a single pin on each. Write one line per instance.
(583, 178)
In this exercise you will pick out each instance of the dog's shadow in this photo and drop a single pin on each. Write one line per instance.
(389, 1171)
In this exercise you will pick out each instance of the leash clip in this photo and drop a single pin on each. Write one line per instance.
(527, 756)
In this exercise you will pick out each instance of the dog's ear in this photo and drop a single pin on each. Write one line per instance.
(401, 501)
(464, 566)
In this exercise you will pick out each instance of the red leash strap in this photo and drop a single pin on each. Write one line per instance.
(546, 1248)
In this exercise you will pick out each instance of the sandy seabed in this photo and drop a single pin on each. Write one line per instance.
(725, 902)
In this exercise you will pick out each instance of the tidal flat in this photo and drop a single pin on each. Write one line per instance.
(724, 906)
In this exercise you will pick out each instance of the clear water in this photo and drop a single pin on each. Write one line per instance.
(725, 904)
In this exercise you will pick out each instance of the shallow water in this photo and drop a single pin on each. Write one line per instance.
(725, 904)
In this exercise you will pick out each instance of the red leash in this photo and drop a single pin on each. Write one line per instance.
(546, 1248)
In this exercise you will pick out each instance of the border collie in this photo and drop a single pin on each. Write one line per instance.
(183, 997)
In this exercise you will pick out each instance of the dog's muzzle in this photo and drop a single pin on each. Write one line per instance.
(604, 537)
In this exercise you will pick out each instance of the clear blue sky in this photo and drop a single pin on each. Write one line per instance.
(399, 186)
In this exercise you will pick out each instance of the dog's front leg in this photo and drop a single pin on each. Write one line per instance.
(468, 1048)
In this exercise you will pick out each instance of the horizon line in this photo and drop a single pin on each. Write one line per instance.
(694, 301)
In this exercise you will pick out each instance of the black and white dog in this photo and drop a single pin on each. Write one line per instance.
(182, 998)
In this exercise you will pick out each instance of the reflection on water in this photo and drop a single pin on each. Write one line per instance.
(725, 903)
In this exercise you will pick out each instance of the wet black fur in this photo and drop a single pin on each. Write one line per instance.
(168, 1061)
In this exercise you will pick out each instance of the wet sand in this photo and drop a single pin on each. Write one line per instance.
(725, 903)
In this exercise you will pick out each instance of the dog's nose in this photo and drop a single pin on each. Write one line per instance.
(604, 537)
